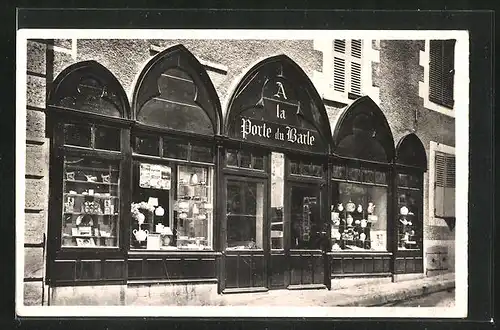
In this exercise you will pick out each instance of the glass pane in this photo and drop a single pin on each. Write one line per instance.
(359, 217)
(354, 174)
(368, 176)
(409, 223)
(305, 169)
(277, 199)
(245, 159)
(77, 135)
(231, 158)
(147, 145)
(338, 171)
(91, 202)
(317, 170)
(176, 106)
(402, 180)
(294, 167)
(380, 177)
(306, 224)
(175, 149)
(258, 162)
(245, 214)
(193, 208)
(201, 154)
(151, 207)
(107, 138)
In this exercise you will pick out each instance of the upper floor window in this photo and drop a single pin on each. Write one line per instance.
(444, 183)
(441, 72)
(347, 60)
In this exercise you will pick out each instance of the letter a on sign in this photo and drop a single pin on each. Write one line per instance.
(281, 90)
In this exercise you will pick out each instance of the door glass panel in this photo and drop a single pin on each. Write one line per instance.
(277, 199)
(409, 219)
(245, 214)
(305, 217)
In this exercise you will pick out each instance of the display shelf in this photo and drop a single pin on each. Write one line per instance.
(86, 213)
(92, 182)
(89, 168)
(86, 236)
(94, 195)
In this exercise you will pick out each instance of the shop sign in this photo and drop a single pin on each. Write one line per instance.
(307, 206)
(155, 176)
(279, 120)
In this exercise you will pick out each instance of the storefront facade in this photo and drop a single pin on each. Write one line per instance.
(223, 181)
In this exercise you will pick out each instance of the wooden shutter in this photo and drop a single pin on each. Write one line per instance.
(347, 67)
(444, 186)
(339, 66)
(355, 74)
(441, 71)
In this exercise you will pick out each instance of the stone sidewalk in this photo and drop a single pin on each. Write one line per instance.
(359, 295)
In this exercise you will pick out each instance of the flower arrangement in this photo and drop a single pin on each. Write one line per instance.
(136, 207)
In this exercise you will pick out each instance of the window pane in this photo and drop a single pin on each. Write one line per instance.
(193, 208)
(380, 178)
(354, 174)
(90, 202)
(277, 199)
(245, 159)
(359, 217)
(368, 176)
(294, 167)
(151, 207)
(201, 154)
(77, 135)
(245, 214)
(231, 158)
(177, 215)
(175, 149)
(107, 138)
(258, 162)
(147, 145)
(306, 223)
(338, 171)
(409, 223)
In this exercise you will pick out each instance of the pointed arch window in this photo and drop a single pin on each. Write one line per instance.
(411, 163)
(364, 149)
(177, 115)
(88, 119)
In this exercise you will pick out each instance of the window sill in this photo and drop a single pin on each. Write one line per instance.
(381, 253)
(172, 252)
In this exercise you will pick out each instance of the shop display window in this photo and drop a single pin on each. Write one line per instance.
(245, 214)
(359, 217)
(172, 207)
(409, 224)
(91, 202)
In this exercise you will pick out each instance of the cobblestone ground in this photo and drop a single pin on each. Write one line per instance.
(437, 299)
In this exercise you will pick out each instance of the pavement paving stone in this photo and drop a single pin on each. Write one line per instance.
(359, 295)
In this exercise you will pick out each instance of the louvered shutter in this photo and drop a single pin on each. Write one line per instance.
(449, 190)
(347, 56)
(441, 71)
(339, 66)
(355, 77)
(444, 192)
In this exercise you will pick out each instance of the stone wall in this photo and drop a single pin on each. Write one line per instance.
(397, 75)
